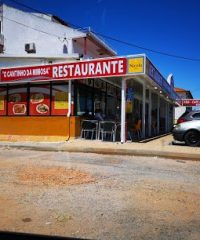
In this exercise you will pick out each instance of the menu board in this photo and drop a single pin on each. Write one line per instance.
(17, 101)
(59, 104)
(39, 100)
(2, 101)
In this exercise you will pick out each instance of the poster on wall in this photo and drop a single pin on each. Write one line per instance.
(59, 104)
(2, 101)
(39, 100)
(17, 101)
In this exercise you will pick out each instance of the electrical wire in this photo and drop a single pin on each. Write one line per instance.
(22, 24)
(147, 49)
(118, 40)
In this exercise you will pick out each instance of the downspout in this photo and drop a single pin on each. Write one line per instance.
(69, 106)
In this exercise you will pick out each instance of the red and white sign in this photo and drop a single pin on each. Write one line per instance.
(72, 70)
(190, 102)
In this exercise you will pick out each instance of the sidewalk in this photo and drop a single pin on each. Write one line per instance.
(161, 147)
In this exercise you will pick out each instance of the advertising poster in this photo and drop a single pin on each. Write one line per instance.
(2, 101)
(17, 101)
(129, 107)
(129, 100)
(39, 100)
(59, 104)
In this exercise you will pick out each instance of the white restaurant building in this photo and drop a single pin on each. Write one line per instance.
(73, 71)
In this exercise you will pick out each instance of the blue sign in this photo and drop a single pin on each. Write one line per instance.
(129, 94)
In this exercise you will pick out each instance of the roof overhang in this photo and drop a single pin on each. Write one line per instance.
(58, 57)
(127, 67)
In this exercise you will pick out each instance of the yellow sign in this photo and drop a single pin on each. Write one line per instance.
(136, 65)
(129, 107)
(1, 103)
(61, 100)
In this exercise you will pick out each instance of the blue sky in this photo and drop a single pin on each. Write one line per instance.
(171, 26)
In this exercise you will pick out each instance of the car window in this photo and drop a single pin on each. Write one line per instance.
(196, 115)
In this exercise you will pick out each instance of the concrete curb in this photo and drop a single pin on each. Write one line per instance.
(109, 151)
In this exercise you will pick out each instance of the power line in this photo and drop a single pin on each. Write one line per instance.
(38, 11)
(22, 24)
(118, 40)
(145, 48)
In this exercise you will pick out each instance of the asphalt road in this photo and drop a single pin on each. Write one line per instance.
(99, 196)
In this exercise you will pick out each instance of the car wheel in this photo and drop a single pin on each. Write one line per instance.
(192, 138)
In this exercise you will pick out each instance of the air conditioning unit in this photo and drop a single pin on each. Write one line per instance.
(1, 39)
(30, 48)
(1, 43)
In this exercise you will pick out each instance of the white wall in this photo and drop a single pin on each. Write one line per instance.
(178, 112)
(16, 34)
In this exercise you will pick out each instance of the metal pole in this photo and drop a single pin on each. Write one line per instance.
(158, 114)
(69, 98)
(143, 109)
(123, 111)
(166, 116)
(149, 113)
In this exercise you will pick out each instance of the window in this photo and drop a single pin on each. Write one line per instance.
(84, 99)
(59, 101)
(35, 99)
(3, 101)
(196, 116)
(39, 103)
(17, 101)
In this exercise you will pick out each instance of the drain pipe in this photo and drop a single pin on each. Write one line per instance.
(69, 106)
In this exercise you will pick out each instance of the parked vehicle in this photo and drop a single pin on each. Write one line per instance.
(189, 116)
(188, 132)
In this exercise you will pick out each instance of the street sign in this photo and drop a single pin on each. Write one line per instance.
(190, 102)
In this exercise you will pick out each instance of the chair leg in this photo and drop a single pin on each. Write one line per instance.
(129, 135)
(114, 136)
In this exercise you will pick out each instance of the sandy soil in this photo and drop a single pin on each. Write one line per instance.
(99, 197)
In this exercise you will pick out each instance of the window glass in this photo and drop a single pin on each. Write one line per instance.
(196, 115)
(17, 101)
(3, 104)
(59, 104)
(39, 103)
(111, 90)
(84, 100)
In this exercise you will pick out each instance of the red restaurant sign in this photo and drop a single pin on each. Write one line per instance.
(70, 70)
(190, 102)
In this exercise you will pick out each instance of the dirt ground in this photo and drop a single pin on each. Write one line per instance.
(99, 197)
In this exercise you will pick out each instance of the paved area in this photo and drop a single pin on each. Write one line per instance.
(161, 147)
(98, 196)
